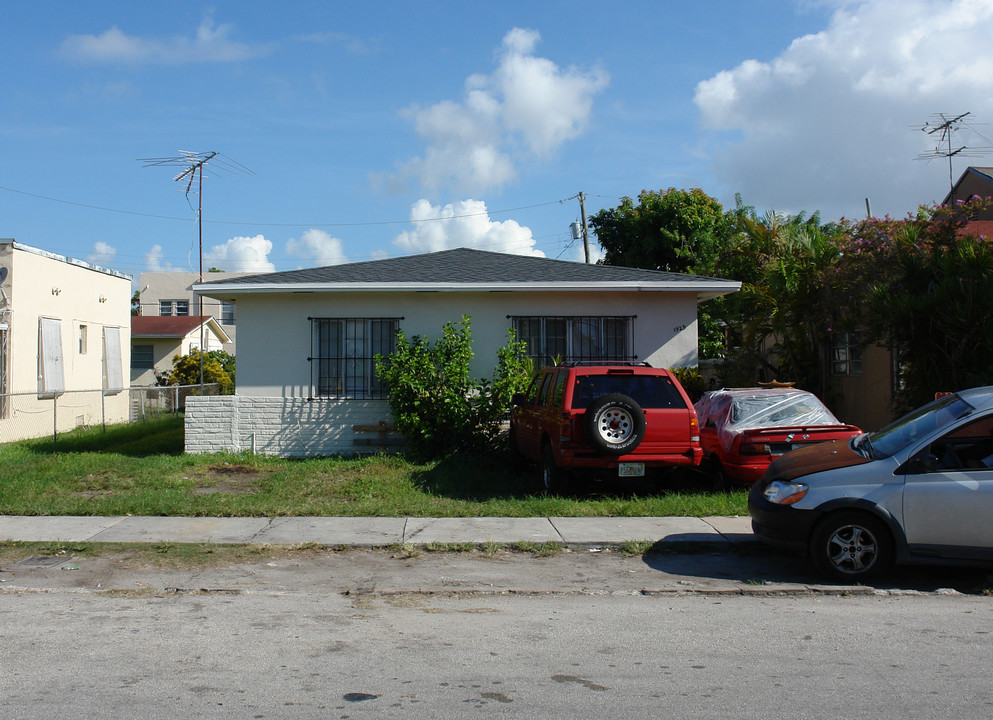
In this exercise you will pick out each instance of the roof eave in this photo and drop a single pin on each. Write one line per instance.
(710, 288)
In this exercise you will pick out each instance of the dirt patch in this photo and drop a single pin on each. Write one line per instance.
(228, 478)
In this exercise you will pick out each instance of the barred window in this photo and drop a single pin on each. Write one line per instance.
(846, 354)
(344, 364)
(575, 338)
(227, 313)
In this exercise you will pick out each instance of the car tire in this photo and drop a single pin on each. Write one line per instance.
(851, 547)
(514, 455)
(716, 479)
(614, 424)
(553, 478)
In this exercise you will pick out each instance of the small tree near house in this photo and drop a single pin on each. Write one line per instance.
(434, 401)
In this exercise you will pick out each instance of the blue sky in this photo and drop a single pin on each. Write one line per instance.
(380, 129)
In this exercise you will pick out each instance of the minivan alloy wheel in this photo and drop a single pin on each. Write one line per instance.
(852, 546)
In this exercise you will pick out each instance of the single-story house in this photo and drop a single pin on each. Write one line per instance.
(156, 340)
(64, 342)
(307, 338)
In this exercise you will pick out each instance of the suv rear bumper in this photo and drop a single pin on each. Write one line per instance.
(571, 458)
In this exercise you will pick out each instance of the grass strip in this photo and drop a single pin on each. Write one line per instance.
(141, 469)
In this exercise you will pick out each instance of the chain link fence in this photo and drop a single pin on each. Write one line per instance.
(28, 415)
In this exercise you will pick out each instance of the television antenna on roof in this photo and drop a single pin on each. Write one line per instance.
(192, 164)
(942, 126)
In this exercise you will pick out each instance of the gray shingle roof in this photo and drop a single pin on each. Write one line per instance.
(462, 267)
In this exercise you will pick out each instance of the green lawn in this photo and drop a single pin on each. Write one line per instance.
(140, 469)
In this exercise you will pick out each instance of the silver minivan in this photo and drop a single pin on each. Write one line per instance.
(920, 490)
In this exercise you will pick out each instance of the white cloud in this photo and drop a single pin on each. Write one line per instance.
(528, 106)
(241, 254)
(153, 261)
(830, 121)
(103, 254)
(210, 43)
(318, 246)
(465, 223)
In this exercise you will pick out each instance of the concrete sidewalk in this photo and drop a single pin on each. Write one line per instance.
(377, 531)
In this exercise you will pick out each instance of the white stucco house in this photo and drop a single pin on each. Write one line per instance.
(307, 338)
(64, 342)
(156, 340)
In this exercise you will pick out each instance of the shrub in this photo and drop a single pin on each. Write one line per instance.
(691, 380)
(186, 370)
(435, 403)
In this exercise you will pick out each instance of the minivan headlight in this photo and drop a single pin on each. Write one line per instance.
(781, 492)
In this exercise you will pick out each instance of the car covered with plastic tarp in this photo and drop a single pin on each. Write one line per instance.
(743, 429)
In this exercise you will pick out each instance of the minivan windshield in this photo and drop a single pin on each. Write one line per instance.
(918, 424)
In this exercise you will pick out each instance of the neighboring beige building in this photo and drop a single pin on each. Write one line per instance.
(170, 294)
(65, 328)
(156, 340)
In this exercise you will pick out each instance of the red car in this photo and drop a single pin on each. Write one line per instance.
(743, 429)
(606, 420)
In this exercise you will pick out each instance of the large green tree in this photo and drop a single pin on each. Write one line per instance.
(673, 230)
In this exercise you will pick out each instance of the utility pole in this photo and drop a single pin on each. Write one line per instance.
(586, 232)
(193, 164)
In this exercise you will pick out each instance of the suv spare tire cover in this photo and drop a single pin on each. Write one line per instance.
(614, 424)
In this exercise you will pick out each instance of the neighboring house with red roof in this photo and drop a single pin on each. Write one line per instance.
(171, 293)
(975, 181)
(156, 340)
(307, 338)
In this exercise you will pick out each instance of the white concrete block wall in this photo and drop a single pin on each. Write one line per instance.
(285, 427)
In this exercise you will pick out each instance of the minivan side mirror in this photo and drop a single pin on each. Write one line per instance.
(517, 399)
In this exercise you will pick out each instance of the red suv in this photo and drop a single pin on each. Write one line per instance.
(608, 420)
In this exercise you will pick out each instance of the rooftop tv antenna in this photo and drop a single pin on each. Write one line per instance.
(942, 126)
(192, 164)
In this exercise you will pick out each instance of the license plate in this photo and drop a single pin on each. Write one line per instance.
(631, 469)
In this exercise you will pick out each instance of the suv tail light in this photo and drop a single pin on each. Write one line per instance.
(694, 429)
(565, 427)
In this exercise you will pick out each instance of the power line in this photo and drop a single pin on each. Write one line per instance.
(286, 225)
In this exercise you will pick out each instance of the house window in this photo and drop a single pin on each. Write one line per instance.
(51, 376)
(227, 313)
(344, 363)
(113, 364)
(82, 339)
(595, 339)
(142, 357)
(846, 354)
(174, 307)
